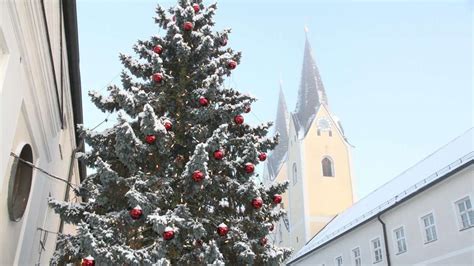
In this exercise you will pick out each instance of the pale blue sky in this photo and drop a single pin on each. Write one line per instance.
(397, 73)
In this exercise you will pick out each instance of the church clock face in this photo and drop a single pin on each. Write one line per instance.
(323, 124)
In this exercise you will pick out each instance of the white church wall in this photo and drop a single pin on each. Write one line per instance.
(30, 114)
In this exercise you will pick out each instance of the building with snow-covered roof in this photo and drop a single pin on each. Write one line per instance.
(314, 156)
(424, 216)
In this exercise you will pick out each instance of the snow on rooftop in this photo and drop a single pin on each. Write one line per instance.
(456, 153)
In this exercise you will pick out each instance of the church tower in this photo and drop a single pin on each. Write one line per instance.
(314, 156)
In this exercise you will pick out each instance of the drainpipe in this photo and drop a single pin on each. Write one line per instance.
(385, 239)
(69, 177)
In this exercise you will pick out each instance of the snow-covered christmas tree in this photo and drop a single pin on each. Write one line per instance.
(174, 177)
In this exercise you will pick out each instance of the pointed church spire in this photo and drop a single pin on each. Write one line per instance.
(281, 121)
(311, 93)
(278, 155)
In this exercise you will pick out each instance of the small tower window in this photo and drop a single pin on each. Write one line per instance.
(330, 133)
(295, 174)
(328, 166)
(319, 132)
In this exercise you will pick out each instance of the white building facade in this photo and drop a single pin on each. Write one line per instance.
(424, 216)
(40, 107)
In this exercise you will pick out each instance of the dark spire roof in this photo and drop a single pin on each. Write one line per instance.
(311, 93)
(278, 155)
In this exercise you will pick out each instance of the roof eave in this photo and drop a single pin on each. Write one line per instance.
(72, 45)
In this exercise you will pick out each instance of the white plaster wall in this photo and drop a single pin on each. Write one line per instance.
(453, 247)
(453, 244)
(29, 114)
(360, 237)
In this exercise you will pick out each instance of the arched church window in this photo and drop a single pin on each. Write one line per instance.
(295, 174)
(328, 166)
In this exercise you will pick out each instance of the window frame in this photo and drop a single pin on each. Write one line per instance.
(424, 228)
(331, 165)
(336, 260)
(354, 258)
(373, 250)
(459, 214)
(17, 190)
(295, 173)
(402, 240)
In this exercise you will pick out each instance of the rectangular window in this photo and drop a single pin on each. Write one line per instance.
(377, 250)
(339, 261)
(356, 256)
(466, 213)
(429, 227)
(400, 240)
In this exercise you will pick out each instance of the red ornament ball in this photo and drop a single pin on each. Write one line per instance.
(168, 125)
(262, 156)
(158, 49)
(239, 119)
(88, 261)
(263, 241)
(157, 77)
(150, 139)
(203, 101)
(218, 155)
(271, 228)
(198, 176)
(168, 234)
(257, 203)
(277, 198)
(223, 41)
(247, 109)
(222, 229)
(249, 168)
(187, 26)
(231, 64)
(196, 8)
(136, 213)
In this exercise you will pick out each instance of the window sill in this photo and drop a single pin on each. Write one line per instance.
(466, 228)
(400, 252)
(375, 262)
(431, 241)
